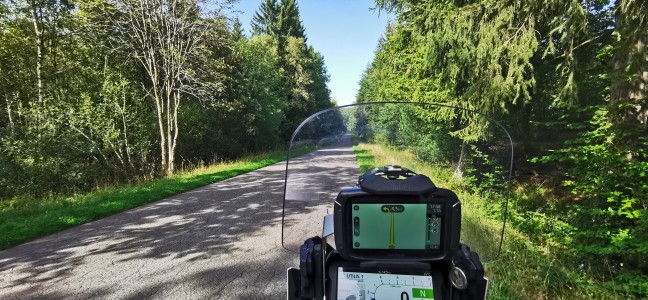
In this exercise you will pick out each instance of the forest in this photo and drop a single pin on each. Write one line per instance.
(569, 79)
(97, 93)
(102, 92)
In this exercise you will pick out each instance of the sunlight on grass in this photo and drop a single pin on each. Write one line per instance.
(524, 270)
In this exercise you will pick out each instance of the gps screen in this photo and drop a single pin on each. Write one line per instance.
(396, 226)
(374, 286)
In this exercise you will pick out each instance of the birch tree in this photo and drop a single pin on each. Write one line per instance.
(165, 37)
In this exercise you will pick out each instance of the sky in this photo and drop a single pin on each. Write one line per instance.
(345, 32)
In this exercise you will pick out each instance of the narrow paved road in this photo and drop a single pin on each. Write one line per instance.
(221, 241)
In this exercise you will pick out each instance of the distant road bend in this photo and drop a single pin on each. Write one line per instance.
(221, 241)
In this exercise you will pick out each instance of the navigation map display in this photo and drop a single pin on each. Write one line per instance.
(396, 226)
(374, 286)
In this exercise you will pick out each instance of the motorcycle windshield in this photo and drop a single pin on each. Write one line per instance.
(458, 149)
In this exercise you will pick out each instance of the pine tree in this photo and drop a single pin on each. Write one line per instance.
(289, 22)
(629, 91)
(237, 30)
(266, 19)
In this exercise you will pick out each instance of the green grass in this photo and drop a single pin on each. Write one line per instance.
(365, 159)
(526, 269)
(24, 218)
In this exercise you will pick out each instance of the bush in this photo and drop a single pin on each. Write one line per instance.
(607, 171)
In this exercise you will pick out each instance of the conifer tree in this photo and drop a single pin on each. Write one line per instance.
(629, 90)
(266, 19)
(289, 21)
(237, 30)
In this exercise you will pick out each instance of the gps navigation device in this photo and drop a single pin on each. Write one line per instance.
(422, 222)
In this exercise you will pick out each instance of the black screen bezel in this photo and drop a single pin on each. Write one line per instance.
(393, 253)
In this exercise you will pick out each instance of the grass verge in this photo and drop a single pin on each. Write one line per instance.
(365, 159)
(23, 218)
(525, 269)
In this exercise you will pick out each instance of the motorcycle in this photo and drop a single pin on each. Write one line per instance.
(388, 232)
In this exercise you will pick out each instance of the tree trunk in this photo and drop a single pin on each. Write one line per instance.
(160, 113)
(461, 164)
(169, 128)
(125, 131)
(176, 105)
(9, 113)
(629, 89)
(38, 30)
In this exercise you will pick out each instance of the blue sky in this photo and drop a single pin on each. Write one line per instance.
(346, 32)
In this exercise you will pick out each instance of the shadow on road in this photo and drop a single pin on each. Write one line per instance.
(216, 240)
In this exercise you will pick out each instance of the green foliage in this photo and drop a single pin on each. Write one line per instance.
(289, 21)
(266, 19)
(509, 59)
(474, 53)
(608, 172)
(540, 67)
(305, 77)
(90, 122)
(407, 126)
(485, 175)
(262, 92)
(279, 20)
(237, 30)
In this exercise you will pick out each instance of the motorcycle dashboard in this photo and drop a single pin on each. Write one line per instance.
(349, 280)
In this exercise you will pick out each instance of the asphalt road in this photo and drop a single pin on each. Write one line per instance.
(222, 241)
